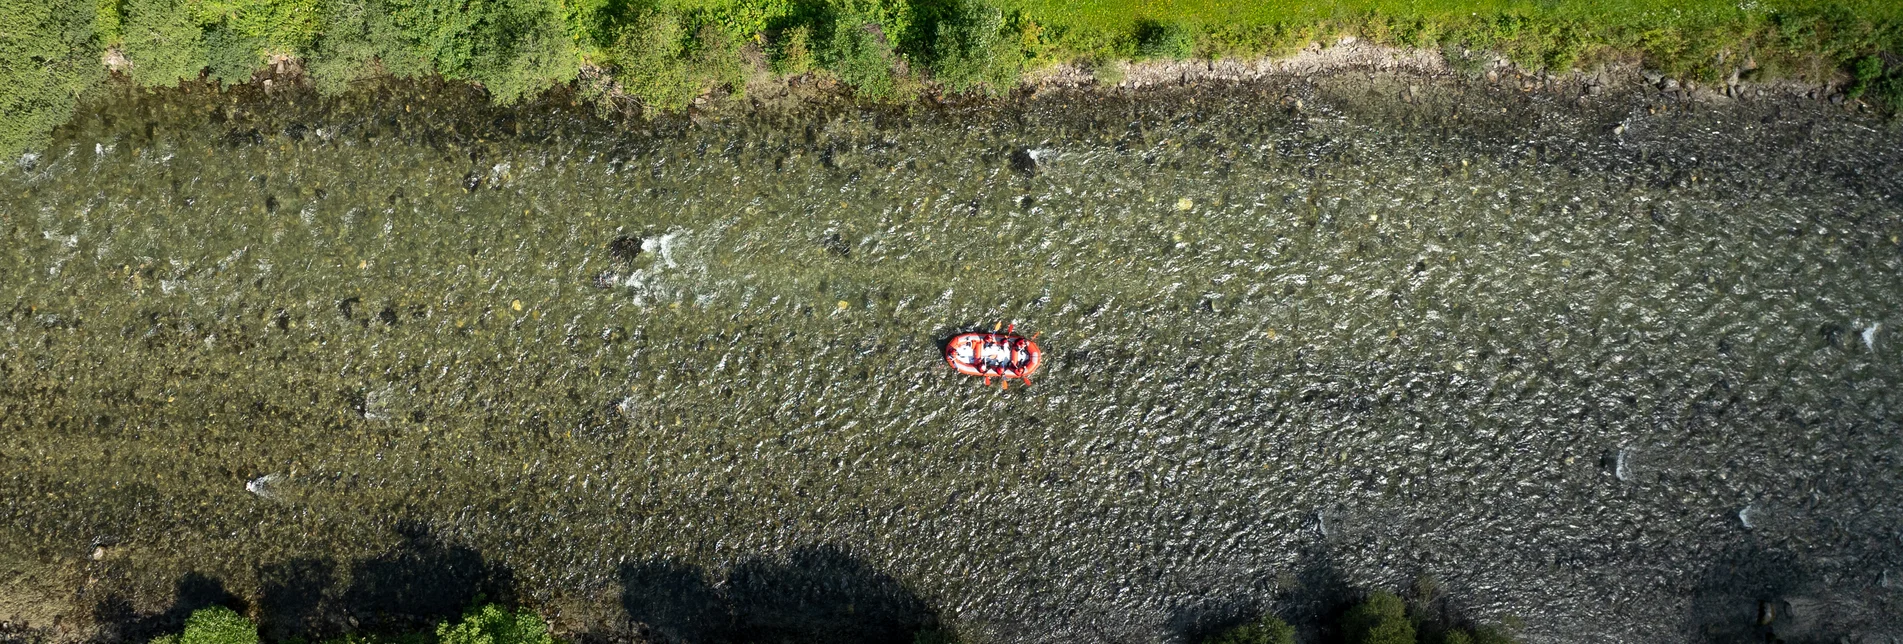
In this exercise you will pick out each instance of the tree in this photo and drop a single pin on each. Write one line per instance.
(162, 42)
(49, 58)
(493, 625)
(1380, 620)
(214, 625)
(971, 51)
(1267, 629)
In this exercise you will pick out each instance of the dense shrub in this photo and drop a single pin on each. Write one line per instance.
(361, 40)
(514, 48)
(793, 54)
(493, 625)
(49, 57)
(648, 62)
(716, 61)
(543, 58)
(1382, 619)
(1168, 40)
(269, 26)
(859, 51)
(972, 49)
(1476, 636)
(162, 42)
(230, 56)
(214, 625)
(1267, 629)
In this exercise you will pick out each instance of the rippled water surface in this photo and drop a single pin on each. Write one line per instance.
(1617, 369)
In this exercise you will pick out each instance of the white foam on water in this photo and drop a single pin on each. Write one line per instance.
(664, 245)
(261, 486)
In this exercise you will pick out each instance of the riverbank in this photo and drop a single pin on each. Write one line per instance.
(667, 57)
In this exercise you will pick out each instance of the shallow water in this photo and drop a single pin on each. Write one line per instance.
(1619, 370)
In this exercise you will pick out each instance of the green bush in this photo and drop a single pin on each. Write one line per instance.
(859, 51)
(1483, 635)
(1865, 74)
(716, 59)
(493, 625)
(1380, 620)
(972, 49)
(648, 62)
(360, 40)
(1267, 629)
(231, 56)
(49, 58)
(214, 625)
(1165, 40)
(793, 53)
(543, 58)
(514, 48)
(162, 42)
(271, 26)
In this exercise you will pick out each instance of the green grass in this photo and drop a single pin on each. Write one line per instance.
(666, 52)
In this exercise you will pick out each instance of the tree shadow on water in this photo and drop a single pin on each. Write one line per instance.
(1318, 596)
(121, 621)
(291, 597)
(1205, 617)
(1755, 592)
(423, 581)
(815, 595)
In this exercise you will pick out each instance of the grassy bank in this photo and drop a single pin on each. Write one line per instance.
(665, 53)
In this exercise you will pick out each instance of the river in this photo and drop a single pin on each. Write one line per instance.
(1614, 368)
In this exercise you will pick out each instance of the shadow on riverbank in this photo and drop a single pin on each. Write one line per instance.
(817, 594)
(420, 583)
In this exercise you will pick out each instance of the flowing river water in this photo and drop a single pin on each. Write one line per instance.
(1613, 369)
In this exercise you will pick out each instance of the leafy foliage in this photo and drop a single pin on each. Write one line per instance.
(231, 56)
(648, 57)
(1171, 40)
(162, 42)
(794, 55)
(1267, 629)
(859, 51)
(972, 48)
(514, 48)
(1382, 619)
(214, 625)
(49, 58)
(361, 40)
(491, 624)
(274, 26)
(667, 52)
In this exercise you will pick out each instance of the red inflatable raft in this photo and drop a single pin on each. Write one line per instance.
(994, 355)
